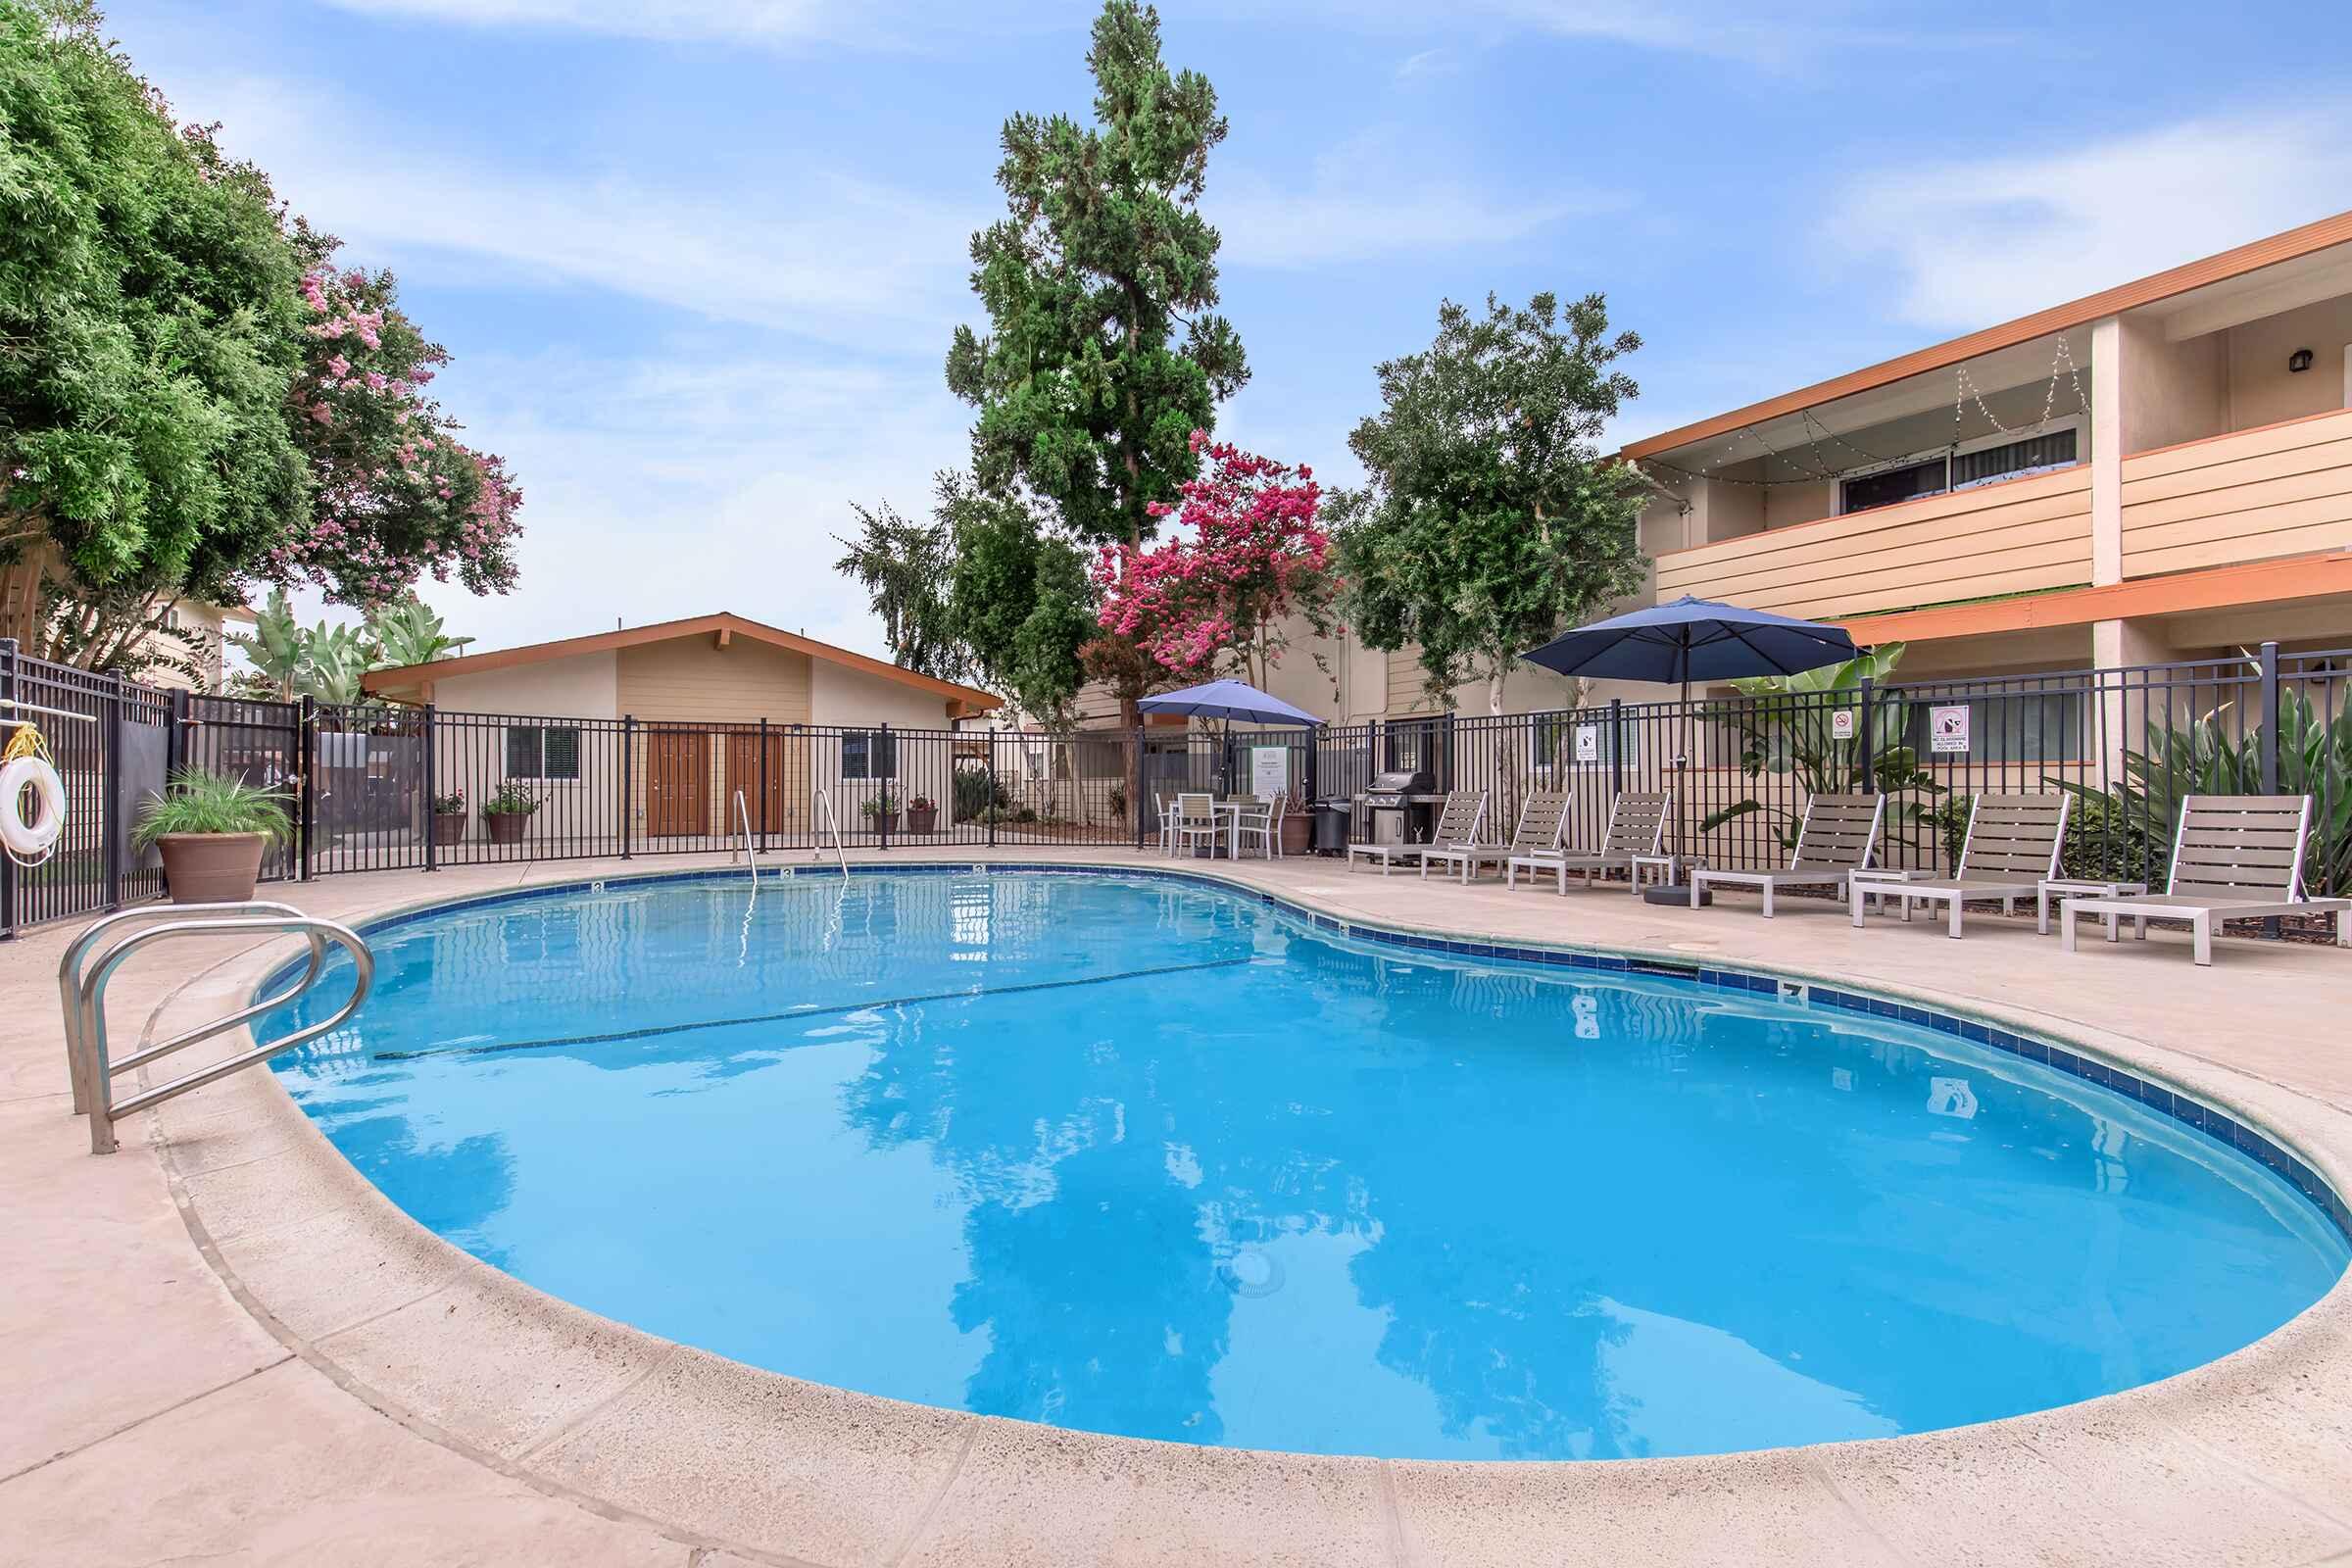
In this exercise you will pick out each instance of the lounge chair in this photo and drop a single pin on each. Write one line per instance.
(1458, 826)
(2235, 857)
(2010, 851)
(1636, 826)
(1838, 837)
(1542, 820)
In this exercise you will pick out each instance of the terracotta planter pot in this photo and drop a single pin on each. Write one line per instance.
(448, 827)
(1297, 832)
(884, 822)
(506, 827)
(922, 820)
(212, 867)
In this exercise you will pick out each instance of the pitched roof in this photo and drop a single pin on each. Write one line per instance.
(2287, 247)
(971, 698)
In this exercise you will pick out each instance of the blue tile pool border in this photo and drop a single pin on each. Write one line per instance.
(2155, 1094)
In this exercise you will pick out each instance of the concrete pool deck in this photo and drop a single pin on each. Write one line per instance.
(222, 1343)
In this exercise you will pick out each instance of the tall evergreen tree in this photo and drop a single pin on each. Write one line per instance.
(1102, 354)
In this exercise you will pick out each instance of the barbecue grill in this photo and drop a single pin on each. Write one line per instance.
(1403, 805)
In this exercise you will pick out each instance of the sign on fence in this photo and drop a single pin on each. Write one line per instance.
(1269, 771)
(1842, 724)
(1588, 742)
(1947, 728)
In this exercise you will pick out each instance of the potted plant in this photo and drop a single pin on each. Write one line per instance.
(449, 818)
(1298, 825)
(922, 815)
(507, 812)
(881, 812)
(211, 830)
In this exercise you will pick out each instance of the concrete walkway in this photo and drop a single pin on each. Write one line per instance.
(221, 1344)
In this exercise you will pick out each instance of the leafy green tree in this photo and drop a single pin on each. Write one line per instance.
(908, 569)
(1020, 599)
(151, 325)
(1102, 354)
(1490, 520)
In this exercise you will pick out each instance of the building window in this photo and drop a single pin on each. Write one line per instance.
(1980, 462)
(535, 751)
(1890, 485)
(868, 754)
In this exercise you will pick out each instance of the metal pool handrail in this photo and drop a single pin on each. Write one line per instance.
(78, 1013)
(98, 1074)
(751, 850)
(821, 799)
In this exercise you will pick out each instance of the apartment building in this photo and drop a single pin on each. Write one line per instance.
(2160, 471)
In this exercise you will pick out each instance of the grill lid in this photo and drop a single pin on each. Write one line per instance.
(1400, 781)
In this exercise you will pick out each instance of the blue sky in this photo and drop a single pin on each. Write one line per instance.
(699, 260)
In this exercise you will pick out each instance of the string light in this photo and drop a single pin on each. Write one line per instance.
(1964, 393)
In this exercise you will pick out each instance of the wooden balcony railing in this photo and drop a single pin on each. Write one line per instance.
(2281, 490)
(2015, 536)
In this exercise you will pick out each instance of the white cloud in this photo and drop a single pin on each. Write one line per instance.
(821, 253)
(1978, 241)
(1373, 196)
(696, 482)
(780, 21)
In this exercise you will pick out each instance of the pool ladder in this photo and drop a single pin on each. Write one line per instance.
(820, 805)
(741, 841)
(81, 994)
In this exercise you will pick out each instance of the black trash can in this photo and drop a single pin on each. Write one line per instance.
(1332, 817)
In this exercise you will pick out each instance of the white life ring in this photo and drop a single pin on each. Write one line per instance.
(38, 836)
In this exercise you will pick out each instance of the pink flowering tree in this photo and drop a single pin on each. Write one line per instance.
(1251, 555)
(395, 494)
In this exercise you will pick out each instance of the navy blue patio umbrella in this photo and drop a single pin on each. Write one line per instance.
(1693, 639)
(1228, 699)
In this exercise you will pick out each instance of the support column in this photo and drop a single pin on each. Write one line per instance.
(2106, 454)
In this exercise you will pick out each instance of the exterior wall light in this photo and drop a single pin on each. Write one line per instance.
(2298, 362)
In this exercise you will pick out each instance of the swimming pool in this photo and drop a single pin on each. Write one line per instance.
(1141, 1155)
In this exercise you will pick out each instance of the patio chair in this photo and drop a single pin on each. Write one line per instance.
(2010, 852)
(1196, 821)
(1260, 818)
(1459, 824)
(1838, 837)
(2235, 857)
(1542, 820)
(1164, 810)
(1636, 826)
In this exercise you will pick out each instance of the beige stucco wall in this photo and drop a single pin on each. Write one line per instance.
(584, 686)
(858, 699)
(2262, 390)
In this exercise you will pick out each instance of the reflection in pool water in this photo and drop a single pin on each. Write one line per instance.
(1139, 1157)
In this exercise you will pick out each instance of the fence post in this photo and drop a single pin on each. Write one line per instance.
(2269, 718)
(628, 779)
(305, 721)
(8, 866)
(988, 813)
(764, 784)
(2267, 745)
(890, 785)
(109, 794)
(432, 819)
(1862, 742)
(1616, 746)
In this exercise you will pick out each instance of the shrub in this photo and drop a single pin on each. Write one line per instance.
(976, 792)
(198, 801)
(511, 800)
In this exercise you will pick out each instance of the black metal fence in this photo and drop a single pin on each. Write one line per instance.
(380, 787)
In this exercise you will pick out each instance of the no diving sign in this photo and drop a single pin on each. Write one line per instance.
(1948, 730)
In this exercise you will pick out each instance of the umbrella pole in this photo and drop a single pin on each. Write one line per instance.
(1682, 760)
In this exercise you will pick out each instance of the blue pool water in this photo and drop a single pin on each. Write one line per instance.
(1139, 1157)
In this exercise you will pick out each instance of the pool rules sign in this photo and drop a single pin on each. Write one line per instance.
(1948, 730)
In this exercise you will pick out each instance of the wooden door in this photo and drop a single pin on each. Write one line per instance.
(677, 783)
(787, 781)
